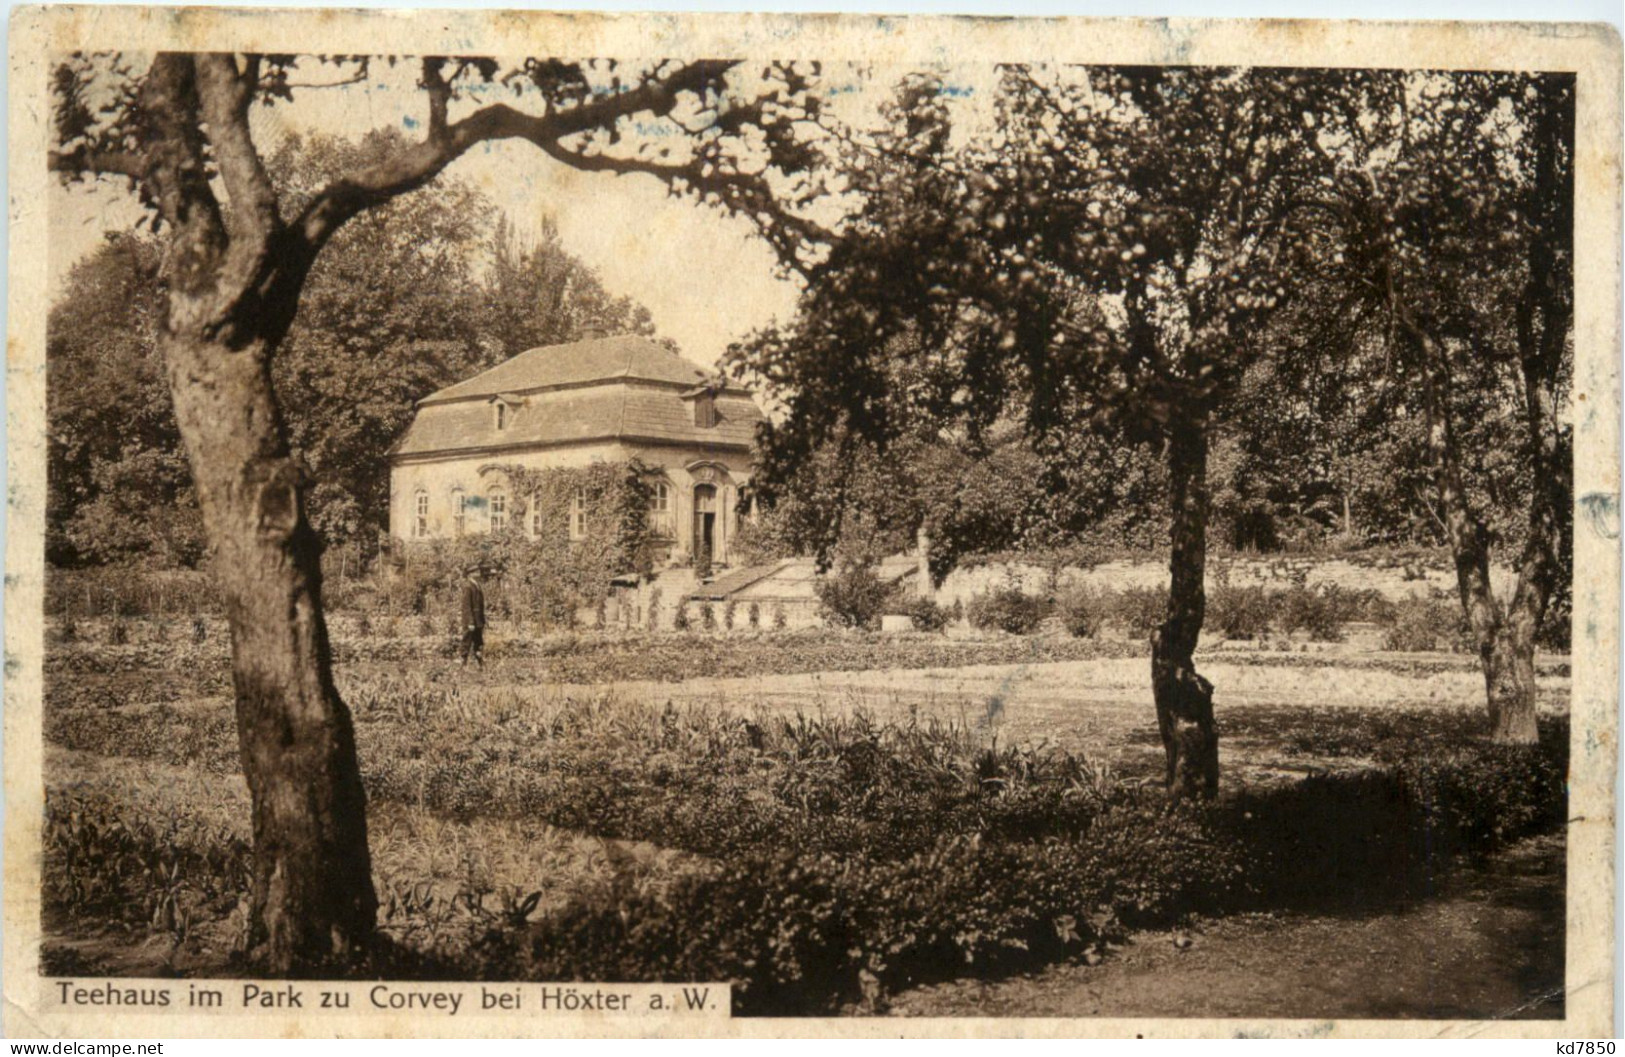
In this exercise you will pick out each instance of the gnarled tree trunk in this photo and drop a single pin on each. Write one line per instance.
(1184, 699)
(1503, 634)
(232, 293)
(313, 899)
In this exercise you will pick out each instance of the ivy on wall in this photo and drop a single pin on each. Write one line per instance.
(550, 575)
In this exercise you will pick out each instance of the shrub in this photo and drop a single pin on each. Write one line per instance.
(118, 632)
(708, 616)
(1238, 612)
(1006, 609)
(654, 609)
(802, 931)
(926, 614)
(363, 624)
(728, 614)
(781, 619)
(753, 615)
(1139, 610)
(852, 597)
(200, 631)
(1421, 625)
(680, 620)
(1321, 613)
(1082, 612)
(806, 933)
(157, 873)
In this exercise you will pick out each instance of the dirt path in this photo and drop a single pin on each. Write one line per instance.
(1489, 946)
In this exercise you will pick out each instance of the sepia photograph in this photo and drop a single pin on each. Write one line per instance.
(921, 522)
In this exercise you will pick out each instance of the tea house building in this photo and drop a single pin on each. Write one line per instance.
(606, 399)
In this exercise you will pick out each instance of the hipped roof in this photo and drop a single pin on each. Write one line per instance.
(623, 357)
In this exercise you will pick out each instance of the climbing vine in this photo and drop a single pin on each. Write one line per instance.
(541, 565)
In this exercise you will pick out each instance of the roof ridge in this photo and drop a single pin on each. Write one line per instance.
(617, 358)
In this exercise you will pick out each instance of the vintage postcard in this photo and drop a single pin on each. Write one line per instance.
(528, 523)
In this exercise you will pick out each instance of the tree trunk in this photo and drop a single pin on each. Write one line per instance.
(1184, 699)
(1505, 636)
(313, 901)
(922, 557)
(1509, 679)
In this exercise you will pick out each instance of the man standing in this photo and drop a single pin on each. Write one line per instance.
(473, 616)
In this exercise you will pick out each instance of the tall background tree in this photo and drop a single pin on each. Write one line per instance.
(175, 129)
(1462, 187)
(1115, 256)
(119, 484)
(538, 293)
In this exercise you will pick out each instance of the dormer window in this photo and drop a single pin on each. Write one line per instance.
(503, 407)
(705, 410)
(704, 399)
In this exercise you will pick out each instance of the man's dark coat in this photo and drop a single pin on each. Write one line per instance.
(473, 606)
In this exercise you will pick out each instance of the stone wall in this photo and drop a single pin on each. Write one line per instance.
(1395, 579)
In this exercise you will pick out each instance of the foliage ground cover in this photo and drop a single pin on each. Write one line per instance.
(817, 861)
(586, 658)
(142, 847)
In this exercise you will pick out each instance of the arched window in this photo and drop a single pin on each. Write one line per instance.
(499, 510)
(459, 512)
(420, 514)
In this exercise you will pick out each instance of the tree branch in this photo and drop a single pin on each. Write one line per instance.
(224, 95)
(83, 161)
(439, 92)
(749, 193)
(175, 176)
(445, 142)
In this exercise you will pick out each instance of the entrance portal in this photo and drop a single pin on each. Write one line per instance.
(705, 525)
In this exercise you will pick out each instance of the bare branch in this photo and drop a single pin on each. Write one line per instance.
(82, 161)
(305, 86)
(739, 189)
(420, 163)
